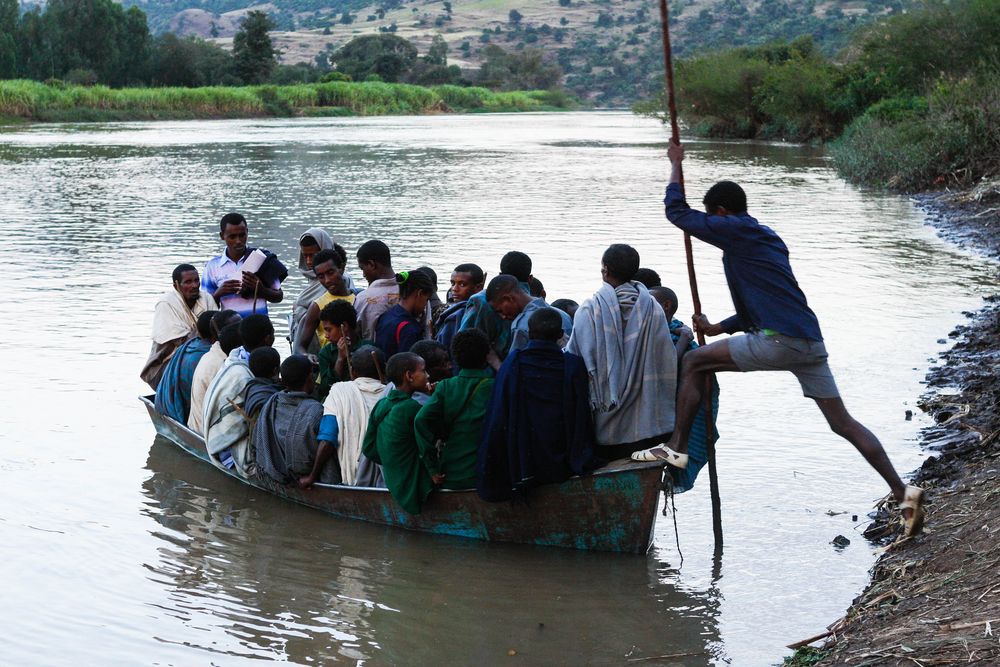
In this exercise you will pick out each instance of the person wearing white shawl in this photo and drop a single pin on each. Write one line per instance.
(310, 243)
(227, 430)
(345, 422)
(620, 334)
(175, 320)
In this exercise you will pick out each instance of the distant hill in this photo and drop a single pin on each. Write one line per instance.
(609, 49)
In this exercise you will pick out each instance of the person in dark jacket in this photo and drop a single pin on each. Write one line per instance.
(780, 331)
(400, 327)
(538, 426)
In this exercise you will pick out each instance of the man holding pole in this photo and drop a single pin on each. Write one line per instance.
(780, 330)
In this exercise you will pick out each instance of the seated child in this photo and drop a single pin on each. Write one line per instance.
(437, 362)
(466, 280)
(173, 394)
(568, 306)
(264, 364)
(285, 436)
(398, 328)
(679, 332)
(538, 426)
(339, 323)
(454, 413)
(329, 266)
(390, 441)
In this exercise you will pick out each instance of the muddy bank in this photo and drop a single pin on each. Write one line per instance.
(935, 600)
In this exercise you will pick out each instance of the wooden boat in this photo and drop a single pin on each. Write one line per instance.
(613, 509)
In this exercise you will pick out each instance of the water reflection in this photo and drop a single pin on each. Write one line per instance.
(251, 575)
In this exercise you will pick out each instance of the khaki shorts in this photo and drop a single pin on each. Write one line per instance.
(804, 358)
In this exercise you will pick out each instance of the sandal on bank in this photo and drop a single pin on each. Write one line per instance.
(662, 454)
(913, 499)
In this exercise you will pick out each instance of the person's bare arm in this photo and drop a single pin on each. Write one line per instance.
(253, 285)
(307, 329)
(323, 454)
(702, 324)
(675, 153)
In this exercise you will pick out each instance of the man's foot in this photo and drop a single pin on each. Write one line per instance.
(662, 453)
(913, 520)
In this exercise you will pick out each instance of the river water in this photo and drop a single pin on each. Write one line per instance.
(118, 549)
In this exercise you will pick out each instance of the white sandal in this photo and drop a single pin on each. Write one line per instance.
(913, 499)
(663, 454)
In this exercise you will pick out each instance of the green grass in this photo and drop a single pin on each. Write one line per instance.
(31, 100)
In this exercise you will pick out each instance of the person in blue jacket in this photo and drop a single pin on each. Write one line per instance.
(779, 330)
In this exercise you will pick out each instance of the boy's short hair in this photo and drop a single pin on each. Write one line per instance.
(545, 324)
(536, 286)
(223, 318)
(516, 264)
(366, 362)
(648, 277)
(375, 251)
(400, 364)
(295, 371)
(728, 195)
(229, 337)
(231, 219)
(501, 285)
(180, 270)
(664, 295)
(469, 349)
(264, 362)
(339, 312)
(308, 240)
(431, 351)
(568, 306)
(473, 270)
(336, 254)
(205, 330)
(621, 261)
(255, 330)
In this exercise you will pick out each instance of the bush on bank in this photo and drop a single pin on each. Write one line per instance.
(913, 101)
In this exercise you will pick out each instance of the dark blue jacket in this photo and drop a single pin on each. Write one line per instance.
(396, 331)
(764, 290)
(538, 426)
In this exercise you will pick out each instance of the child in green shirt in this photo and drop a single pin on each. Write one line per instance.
(390, 440)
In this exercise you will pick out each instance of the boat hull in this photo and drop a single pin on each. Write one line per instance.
(613, 509)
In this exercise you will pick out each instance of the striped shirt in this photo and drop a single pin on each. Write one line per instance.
(218, 270)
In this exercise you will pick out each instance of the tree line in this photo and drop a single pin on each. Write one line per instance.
(100, 41)
(912, 101)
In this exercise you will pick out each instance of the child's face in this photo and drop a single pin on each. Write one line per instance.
(416, 380)
(332, 331)
(462, 286)
(308, 252)
(330, 276)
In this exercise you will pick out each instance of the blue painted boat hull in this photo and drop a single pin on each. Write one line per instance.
(613, 509)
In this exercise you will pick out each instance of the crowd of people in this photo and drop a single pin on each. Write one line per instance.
(389, 386)
(492, 388)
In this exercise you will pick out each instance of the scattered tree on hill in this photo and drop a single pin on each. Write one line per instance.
(385, 55)
(253, 51)
(515, 17)
(517, 71)
(437, 54)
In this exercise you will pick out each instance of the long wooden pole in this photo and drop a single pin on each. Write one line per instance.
(713, 472)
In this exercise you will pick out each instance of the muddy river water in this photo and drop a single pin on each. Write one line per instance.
(117, 549)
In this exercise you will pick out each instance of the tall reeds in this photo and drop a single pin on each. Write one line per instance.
(43, 101)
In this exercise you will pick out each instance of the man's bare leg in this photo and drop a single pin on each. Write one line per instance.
(847, 427)
(696, 367)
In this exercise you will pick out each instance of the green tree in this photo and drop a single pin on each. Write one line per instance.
(253, 52)
(190, 62)
(8, 38)
(385, 55)
(437, 54)
(515, 17)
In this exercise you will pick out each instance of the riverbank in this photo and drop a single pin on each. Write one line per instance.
(30, 101)
(935, 600)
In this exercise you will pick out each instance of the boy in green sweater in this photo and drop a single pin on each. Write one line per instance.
(389, 440)
(455, 412)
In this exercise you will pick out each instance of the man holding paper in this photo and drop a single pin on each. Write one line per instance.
(241, 278)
